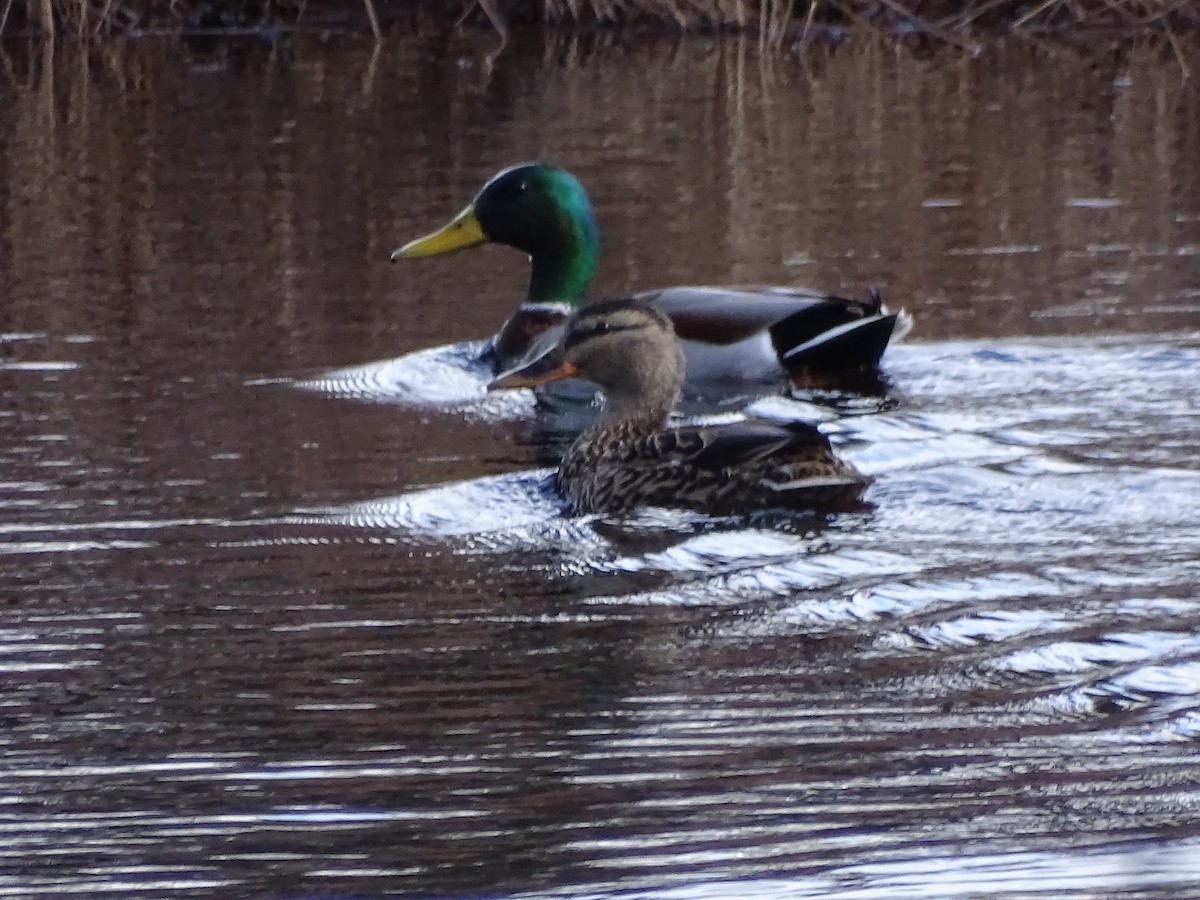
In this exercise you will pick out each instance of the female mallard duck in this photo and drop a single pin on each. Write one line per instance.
(729, 334)
(629, 458)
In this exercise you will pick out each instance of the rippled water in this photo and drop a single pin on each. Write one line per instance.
(288, 609)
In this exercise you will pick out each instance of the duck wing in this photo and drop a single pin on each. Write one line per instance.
(720, 469)
(808, 330)
(856, 344)
(718, 315)
(744, 465)
(738, 444)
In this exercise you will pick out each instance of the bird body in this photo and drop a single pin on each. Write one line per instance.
(720, 470)
(629, 457)
(730, 334)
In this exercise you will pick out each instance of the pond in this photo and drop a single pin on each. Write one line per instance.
(288, 609)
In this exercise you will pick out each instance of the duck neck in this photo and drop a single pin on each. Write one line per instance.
(634, 417)
(562, 268)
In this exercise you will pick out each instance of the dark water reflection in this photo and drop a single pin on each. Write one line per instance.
(257, 641)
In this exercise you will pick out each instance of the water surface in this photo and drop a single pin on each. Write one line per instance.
(265, 640)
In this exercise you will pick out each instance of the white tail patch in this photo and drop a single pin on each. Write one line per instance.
(904, 324)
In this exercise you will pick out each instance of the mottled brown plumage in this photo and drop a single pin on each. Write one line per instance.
(629, 458)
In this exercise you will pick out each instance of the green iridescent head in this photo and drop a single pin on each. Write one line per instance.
(540, 210)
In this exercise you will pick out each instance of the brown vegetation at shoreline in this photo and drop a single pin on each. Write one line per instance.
(778, 22)
(127, 181)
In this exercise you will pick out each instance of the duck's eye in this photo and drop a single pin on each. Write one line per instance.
(593, 330)
(511, 189)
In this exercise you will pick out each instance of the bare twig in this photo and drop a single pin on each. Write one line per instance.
(1034, 13)
(103, 17)
(1167, 10)
(930, 27)
(780, 26)
(963, 18)
(494, 16)
(1179, 57)
(808, 19)
(368, 80)
(375, 29)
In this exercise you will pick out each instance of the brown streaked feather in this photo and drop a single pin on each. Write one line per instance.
(628, 458)
(717, 469)
(738, 443)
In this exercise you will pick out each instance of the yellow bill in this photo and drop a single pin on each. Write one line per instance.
(461, 232)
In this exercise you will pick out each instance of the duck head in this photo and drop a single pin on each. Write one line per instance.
(538, 209)
(628, 349)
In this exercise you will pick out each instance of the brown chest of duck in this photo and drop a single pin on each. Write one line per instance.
(730, 335)
(629, 458)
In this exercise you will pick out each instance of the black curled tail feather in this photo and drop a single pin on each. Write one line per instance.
(857, 345)
(874, 305)
(827, 335)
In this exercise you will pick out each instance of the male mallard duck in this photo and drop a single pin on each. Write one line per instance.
(729, 334)
(629, 458)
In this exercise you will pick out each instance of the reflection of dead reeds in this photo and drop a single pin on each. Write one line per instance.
(773, 19)
(775, 22)
(977, 190)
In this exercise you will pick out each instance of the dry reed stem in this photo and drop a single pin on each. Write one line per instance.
(104, 15)
(1179, 57)
(1167, 10)
(960, 22)
(496, 18)
(780, 26)
(929, 27)
(808, 20)
(1034, 13)
(374, 19)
